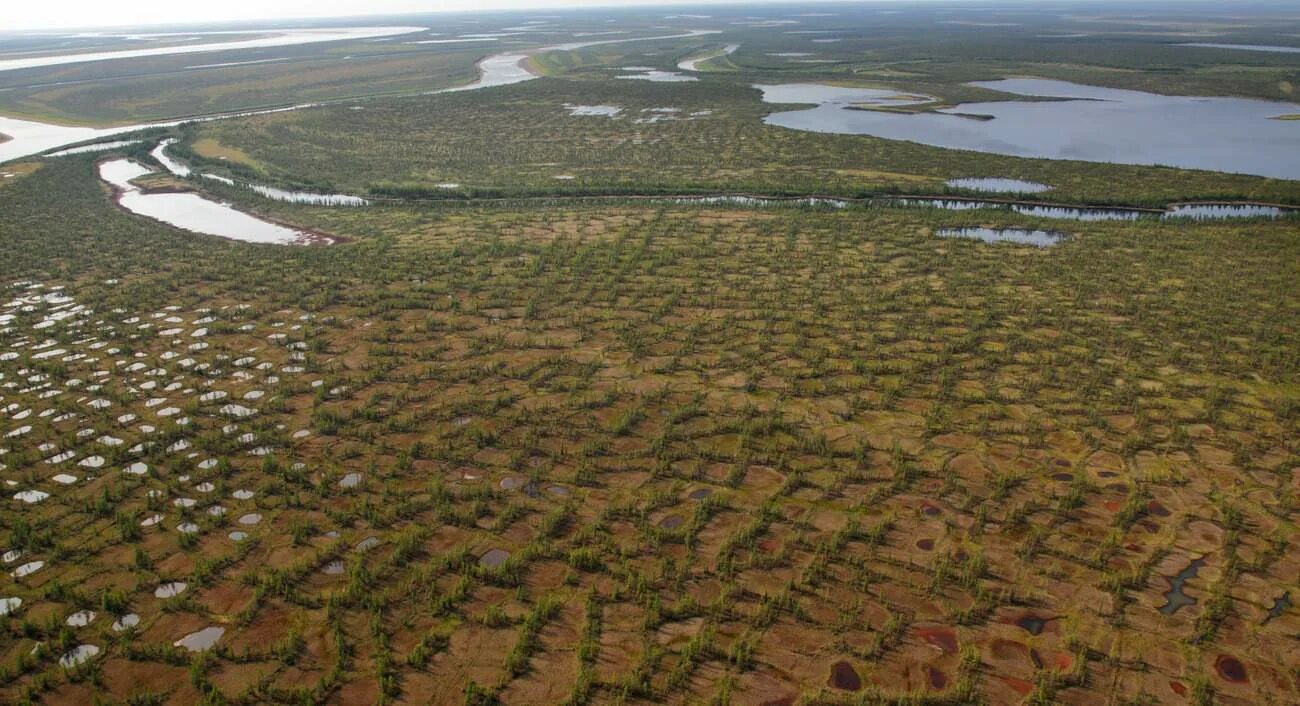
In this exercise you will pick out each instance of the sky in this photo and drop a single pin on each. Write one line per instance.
(65, 14)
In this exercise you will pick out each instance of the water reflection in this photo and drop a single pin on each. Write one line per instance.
(1072, 213)
(1090, 123)
(1019, 236)
(303, 197)
(659, 76)
(1216, 211)
(1245, 47)
(694, 64)
(96, 147)
(277, 38)
(998, 185)
(191, 211)
(159, 153)
(1187, 211)
(508, 68)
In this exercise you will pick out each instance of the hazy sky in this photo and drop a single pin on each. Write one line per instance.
(49, 14)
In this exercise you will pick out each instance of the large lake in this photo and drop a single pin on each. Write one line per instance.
(1089, 123)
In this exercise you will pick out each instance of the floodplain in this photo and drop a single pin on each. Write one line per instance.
(569, 388)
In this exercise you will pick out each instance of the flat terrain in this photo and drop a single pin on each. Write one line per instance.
(705, 136)
(521, 439)
(723, 450)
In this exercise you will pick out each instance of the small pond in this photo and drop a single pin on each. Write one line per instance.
(170, 590)
(659, 76)
(998, 185)
(1175, 598)
(1019, 236)
(1188, 211)
(77, 656)
(202, 640)
(1214, 212)
(494, 558)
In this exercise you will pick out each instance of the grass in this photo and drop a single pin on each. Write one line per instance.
(10, 173)
(722, 448)
(210, 149)
(170, 90)
(725, 147)
(841, 381)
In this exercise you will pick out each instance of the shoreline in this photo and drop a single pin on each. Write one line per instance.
(305, 237)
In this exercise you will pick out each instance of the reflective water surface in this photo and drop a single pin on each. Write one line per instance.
(694, 64)
(509, 67)
(191, 211)
(998, 185)
(1246, 47)
(1089, 123)
(277, 38)
(1019, 236)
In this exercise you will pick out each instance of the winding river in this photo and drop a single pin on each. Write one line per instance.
(507, 68)
(192, 212)
(31, 137)
(279, 38)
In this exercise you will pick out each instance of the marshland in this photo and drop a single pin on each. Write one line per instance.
(576, 389)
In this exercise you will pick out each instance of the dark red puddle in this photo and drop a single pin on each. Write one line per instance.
(671, 522)
(1231, 669)
(943, 638)
(844, 677)
(938, 680)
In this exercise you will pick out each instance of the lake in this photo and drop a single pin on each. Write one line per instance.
(190, 211)
(1019, 236)
(1089, 123)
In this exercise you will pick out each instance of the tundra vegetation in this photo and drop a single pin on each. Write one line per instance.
(570, 445)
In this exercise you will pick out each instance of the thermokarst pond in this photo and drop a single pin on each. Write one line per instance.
(998, 185)
(720, 419)
(1175, 598)
(1187, 211)
(1020, 236)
